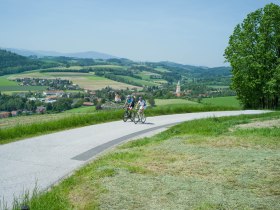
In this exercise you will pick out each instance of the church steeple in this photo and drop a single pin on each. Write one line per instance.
(178, 89)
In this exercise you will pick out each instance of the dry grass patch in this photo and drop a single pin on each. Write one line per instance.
(261, 124)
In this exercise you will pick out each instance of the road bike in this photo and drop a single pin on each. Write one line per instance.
(139, 117)
(128, 114)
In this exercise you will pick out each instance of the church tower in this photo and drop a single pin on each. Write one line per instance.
(178, 89)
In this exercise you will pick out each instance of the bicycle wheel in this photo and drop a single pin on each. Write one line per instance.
(143, 118)
(136, 118)
(132, 116)
(125, 116)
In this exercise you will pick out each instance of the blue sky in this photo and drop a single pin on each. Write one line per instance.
(194, 32)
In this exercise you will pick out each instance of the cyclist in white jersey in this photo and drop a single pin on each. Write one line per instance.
(142, 104)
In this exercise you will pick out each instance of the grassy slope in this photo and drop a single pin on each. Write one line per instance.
(223, 101)
(201, 164)
(138, 81)
(160, 102)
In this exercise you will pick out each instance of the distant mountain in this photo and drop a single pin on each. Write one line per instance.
(198, 70)
(40, 53)
(11, 63)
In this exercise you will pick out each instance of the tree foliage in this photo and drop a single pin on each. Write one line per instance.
(254, 54)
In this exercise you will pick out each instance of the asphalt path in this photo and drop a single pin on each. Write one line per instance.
(45, 160)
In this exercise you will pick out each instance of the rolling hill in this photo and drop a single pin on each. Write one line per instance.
(40, 53)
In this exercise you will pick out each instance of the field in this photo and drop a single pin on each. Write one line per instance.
(162, 102)
(215, 163)
(11, 86)
(139, 81)
(25, 120)
(41, 118)
(84, 80)
(145, 75)
(218, 86)
(82, 110)
(223, 101)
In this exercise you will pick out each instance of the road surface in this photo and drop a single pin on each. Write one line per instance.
(49, 158)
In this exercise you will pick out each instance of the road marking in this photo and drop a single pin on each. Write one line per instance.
(96, 150)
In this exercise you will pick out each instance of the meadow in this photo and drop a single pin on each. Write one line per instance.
(84, 80)
(7, 85)
(223, 101)
(162, 102)
(213, 163)
(139, 82)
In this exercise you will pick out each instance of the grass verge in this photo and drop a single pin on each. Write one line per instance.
(22, 131)
(202, 164)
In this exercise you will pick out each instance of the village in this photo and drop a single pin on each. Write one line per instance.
(53, 84)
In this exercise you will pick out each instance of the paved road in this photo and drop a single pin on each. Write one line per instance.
(47, 159)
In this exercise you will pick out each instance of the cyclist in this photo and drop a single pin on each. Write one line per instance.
(129, 103)
(142, 104)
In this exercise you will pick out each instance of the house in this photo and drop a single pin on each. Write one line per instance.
(41, 109)
(117, 98)
(50, 100)
(14, 113)
(88, 104)
(56, 93)
(32, 99)
(4, 114)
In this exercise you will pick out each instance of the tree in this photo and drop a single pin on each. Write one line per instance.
(254, 54)
(151, 101)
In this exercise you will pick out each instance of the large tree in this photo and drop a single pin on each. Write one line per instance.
(254, 54)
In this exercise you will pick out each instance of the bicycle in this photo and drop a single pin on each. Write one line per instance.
(128, 114)
(139, 117)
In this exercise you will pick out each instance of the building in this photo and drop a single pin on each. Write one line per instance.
(41, 109)
(88, 104)
(178, 89)
(14, 113)
(117, 98)
(4, 114)
(56, 93)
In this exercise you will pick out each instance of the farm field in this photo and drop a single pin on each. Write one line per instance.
(146, 76)
(211, 163)
(162, 102)
(11, 86)
(223, 101)
(84, 80)
(161, 69)
(139, 81)
(82, 110)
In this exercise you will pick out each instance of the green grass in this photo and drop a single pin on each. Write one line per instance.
(218, 86)
(160, 102)
(8, 85)
(20, 131)
(108, 66)
(83, 109)
(5, 82)
(21, 88)
(223, 101)
(138, 81)
(161, 69)
(201, 164)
